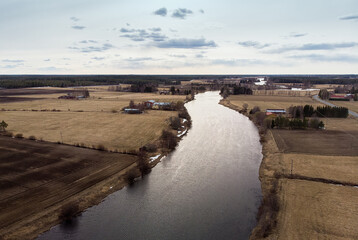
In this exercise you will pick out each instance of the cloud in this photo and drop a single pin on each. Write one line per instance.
(297, 35)
(98, 58)
(181, 13)
(138, 59)
(158, 29)
(238, 62)
(88, 41)
(12, 61)
(139, 35)
(77, 27)
(47, 60)
(325, 58)
(351, 17)
(178, 55)
(186, 43)
(10, 66)
(199, 56)
(74, 19)
(314, 47)
(50, 69)
(202, 11)
(93, 48)
(253, 44)
(126, 30)
(161, 12)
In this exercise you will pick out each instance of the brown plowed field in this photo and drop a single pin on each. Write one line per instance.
(37, 175)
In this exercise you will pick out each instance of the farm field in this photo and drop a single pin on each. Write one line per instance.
(329, 142)
(89, 122)
(265, 102)
(308, 205)
(37, 178)
(317, 211)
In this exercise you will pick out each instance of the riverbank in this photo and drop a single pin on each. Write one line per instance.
(308, 181)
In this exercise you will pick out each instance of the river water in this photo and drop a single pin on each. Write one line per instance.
(208, 188)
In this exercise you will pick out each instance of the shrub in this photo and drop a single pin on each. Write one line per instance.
(174, 123)
(19, 135)
(8, 134)
(69, 211)
(255, 110)
(143, 164)
(130, 176)
(32, 137)
(3, 126)
(101, 147)
(150, 147)
(168, 140)
(323, 94)
(267, 212)
(316, 123)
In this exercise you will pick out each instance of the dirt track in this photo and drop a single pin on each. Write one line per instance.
(36, 176)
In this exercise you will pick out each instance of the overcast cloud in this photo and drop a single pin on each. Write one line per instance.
(178, 37)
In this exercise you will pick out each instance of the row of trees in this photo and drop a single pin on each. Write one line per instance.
(295, 123)
(143, 87)
(325, 111)
(238, 90)
(334, 112)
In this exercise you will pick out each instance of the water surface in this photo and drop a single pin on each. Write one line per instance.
(208, 188)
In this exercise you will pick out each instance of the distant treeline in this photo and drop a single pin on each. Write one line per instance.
(21, 81)
(318, 79)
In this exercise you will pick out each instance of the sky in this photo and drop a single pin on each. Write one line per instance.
(178, 37)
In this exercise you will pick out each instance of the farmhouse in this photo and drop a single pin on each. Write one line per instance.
(275, 111)
(149, 103)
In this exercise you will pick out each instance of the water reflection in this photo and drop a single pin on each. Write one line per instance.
(207, 188)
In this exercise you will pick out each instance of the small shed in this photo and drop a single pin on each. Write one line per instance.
(275, 111)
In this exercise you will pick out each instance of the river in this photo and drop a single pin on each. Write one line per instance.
(208, 188)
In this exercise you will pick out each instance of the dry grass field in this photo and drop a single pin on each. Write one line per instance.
(90, 122)
(265, 102)
(314, 210)
(37, 178)
(308, 206)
